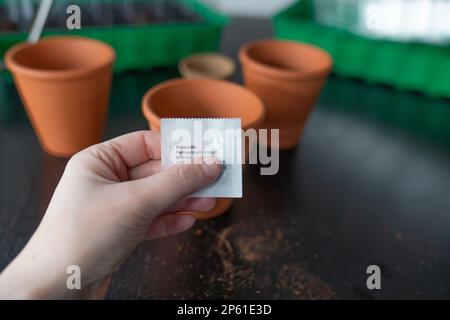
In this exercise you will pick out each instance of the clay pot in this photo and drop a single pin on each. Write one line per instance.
(288, 76)
(203, 98)
(64, 84)
(207, 65)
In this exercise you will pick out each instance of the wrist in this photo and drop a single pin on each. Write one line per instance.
(20, 281)
(41, 271)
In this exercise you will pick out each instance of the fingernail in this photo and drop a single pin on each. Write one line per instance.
(202, 204)
(212, 169)
(184, 222)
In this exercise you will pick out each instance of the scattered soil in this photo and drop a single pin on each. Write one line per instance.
(226, 254)
(260, 247)
(249, 262)
(295, 282)
(231, 263)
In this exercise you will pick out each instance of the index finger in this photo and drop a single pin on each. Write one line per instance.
(137, 147)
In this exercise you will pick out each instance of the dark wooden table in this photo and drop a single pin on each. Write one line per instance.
(368, 184)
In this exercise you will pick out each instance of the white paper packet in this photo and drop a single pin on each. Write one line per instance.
(186, 139)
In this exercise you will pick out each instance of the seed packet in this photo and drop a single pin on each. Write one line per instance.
(198, 140)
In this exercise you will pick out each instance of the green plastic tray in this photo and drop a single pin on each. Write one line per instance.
(152, 45)
(408, 66)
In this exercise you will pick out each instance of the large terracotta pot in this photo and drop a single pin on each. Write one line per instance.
(203, 98)
(64, 84)
(288, 76)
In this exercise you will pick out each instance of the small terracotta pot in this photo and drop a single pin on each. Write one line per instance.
(64, 84)
(288, 76)
(203, 98)
(207, 65)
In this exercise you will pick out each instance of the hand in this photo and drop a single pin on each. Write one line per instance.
(111, 197)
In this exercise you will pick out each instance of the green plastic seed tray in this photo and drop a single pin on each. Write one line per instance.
(145, 34)
(403, 65)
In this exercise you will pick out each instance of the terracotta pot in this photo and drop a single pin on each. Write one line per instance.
(207, 65)
(288, 76)
(64, 84)
(203, 98)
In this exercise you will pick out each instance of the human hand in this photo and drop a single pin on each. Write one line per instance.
(111, 197)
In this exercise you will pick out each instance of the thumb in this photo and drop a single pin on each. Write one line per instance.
(158, 192)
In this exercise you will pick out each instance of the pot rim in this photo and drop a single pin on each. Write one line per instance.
(152, 117)
(274, 72)
(185, 67)
(53, 75)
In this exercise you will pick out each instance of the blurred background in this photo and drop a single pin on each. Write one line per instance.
(403, 44)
